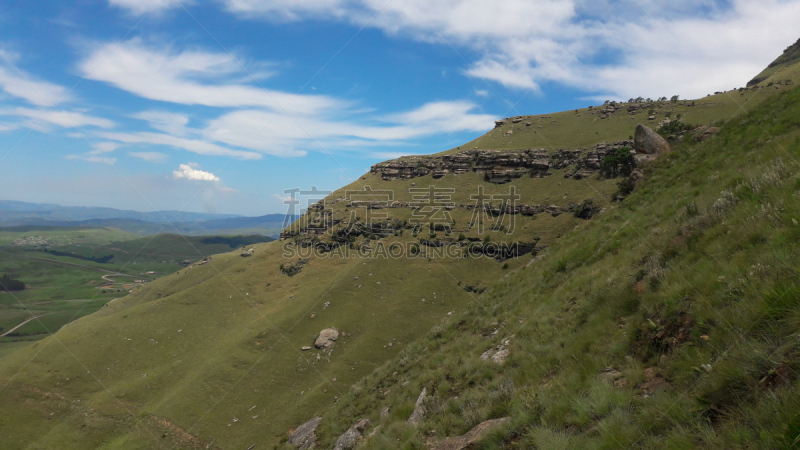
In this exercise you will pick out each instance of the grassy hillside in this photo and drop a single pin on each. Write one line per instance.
(56, 236)
(669, 322)
(71, 273)
(168, 249)
(667, 319)
(269, 225)
(203, 346)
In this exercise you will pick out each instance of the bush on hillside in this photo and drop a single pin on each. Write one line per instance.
(235, 241)
(97, 259)
(9, 284)
(620, 162)
(674, 127)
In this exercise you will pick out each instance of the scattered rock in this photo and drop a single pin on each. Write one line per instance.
(326, 338)
(636, 178)
(350, 438)
(498, 354)
(305, 348)
(648, 141)
(305, 436)
(385, 412)
(247, 253)
(419, 409)
(613, 376)
(500, 357)
(374, 431)
(471, 437)
(707, 133)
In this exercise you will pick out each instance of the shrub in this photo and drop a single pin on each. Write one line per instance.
(9, 284)
(620, 162)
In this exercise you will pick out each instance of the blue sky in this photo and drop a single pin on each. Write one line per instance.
(218, 106)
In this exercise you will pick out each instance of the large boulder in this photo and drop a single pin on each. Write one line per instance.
(305, 436)
(472, 437)
(326, 338)
(350, 438)
(649, 142)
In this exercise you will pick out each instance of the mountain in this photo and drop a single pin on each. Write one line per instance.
(269, 224)
(16, 211)
(541, 277)
(789, 57)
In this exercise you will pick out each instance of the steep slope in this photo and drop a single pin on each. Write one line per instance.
(212, 356)
(789, 57)
(669, 322)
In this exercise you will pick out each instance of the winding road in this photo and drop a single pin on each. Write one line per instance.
(23, 323)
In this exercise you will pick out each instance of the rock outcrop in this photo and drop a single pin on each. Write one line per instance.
(499, 353)
(500, 166)
(649, 142)
(305, 436)
(419, 408)
(350, 438)
(326, 338)
(471, 437)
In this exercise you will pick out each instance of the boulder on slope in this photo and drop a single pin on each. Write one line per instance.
(649, 142)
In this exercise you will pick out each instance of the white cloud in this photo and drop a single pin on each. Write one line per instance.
(192, 145)
(168, 122)
(283, 136)
(104, 147)
(289, 10)
(256, 122)
(282, 198)
(93, 158)
(149, 156)
(139, 7)
(186, 171)
(481, 92)
(189, 78)
(21, 85)
(64, 119)
(617, 48)
(8, 127)
(97, 153)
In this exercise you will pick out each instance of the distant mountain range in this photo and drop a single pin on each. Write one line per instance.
(11, 210)
(16, 214)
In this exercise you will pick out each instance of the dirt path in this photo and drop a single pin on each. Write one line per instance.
(23, 323)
